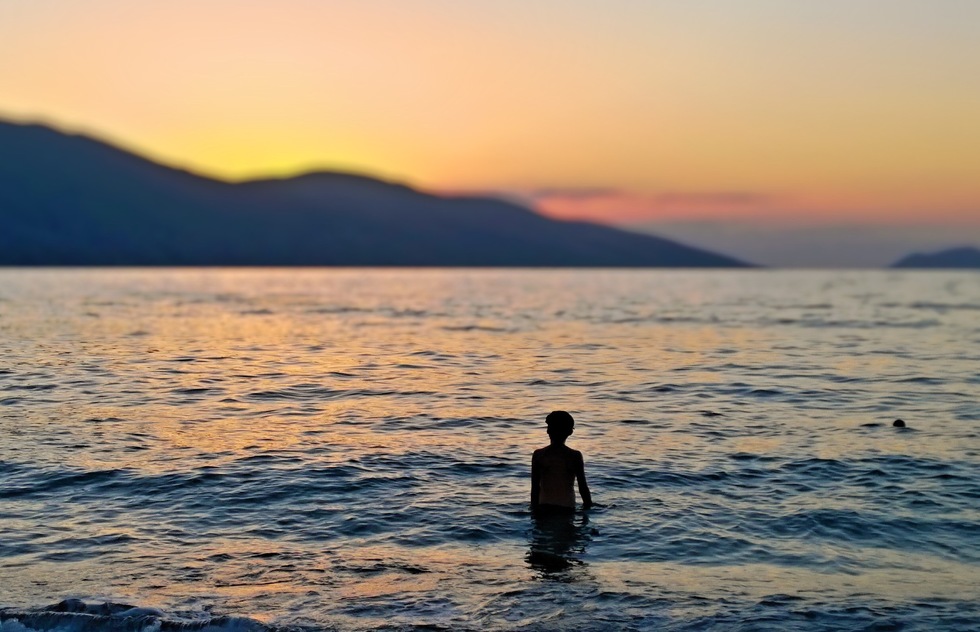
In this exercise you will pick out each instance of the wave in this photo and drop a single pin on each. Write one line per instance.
(316, 392)
(74, 615)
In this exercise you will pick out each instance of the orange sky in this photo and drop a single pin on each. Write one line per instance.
(863, 110)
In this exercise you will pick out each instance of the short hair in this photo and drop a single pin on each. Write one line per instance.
(560, 421)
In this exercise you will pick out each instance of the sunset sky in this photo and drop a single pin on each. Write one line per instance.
(617, 110)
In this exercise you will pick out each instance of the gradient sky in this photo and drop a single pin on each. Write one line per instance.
(617, 110)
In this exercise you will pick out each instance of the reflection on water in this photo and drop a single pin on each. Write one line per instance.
(350, 449)
(557, 543)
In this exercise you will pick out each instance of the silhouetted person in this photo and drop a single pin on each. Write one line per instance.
(898, 423)
(555, 468)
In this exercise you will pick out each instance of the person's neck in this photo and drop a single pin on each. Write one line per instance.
(557, 442)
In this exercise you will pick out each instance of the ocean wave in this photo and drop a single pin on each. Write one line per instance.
(310, 473)
(74, 615)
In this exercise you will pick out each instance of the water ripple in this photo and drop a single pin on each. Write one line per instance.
(349, 449)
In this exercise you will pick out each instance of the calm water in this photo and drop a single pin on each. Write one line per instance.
(349, 449)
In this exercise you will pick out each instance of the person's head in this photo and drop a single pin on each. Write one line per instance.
(560, 425)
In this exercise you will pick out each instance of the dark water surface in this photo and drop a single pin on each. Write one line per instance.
(349, 449)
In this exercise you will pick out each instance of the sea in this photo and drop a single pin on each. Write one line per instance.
(238, 450)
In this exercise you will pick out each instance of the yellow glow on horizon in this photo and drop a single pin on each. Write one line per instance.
(866, 109)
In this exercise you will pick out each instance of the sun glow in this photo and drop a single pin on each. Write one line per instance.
(863, 111)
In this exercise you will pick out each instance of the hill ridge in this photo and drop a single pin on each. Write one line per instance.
(960, 257)
(72, 199)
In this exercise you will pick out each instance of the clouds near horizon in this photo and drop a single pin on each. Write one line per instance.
(621, 205)
(611, 111)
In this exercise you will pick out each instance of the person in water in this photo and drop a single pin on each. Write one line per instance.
(555, 468)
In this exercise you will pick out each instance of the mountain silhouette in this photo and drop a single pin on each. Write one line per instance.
(70, 199)
(965, 257)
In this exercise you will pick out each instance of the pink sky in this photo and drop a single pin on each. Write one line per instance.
(617, 111)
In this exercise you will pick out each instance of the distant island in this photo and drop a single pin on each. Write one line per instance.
(70, 199)
(965, 257)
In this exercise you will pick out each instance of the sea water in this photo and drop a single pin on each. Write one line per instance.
(349, 449)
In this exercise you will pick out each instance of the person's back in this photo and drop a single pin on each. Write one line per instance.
(555, 468)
